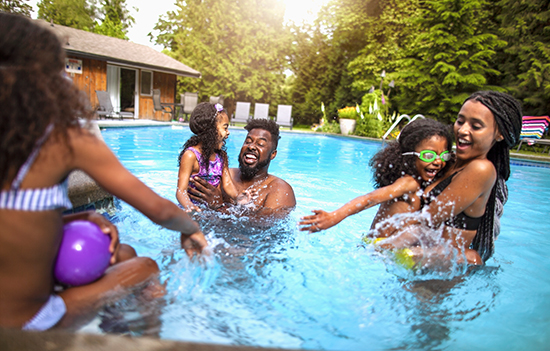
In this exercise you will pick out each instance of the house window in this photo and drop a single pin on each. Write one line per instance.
(146, 83)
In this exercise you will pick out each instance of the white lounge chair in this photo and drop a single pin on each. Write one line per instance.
(261, 111)
(242, 113)
(284, 118)
(189, 102)
(106, 108)
(216, 99)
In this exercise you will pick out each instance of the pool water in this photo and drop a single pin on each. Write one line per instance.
(288, 289)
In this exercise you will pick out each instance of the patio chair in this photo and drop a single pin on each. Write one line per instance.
(284, 117)
(189, 102)
(216, 99)
(106, 108)
(242, 113)
(163, 107)
(261, 111)
(532, 130)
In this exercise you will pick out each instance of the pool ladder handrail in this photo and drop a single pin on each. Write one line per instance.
(397, 122)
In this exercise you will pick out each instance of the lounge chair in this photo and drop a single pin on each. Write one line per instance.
(261, 111)
(284, 117)
(163, 107)
(242, 113)
(106, 108)
(189, 101)
(532, 130)
(216, 99)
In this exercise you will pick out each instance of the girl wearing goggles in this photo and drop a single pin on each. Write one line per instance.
(398, 175)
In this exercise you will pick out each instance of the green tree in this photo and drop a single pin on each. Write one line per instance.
(16, 6)
(239, 47)
(525, 61)
(320, 55)
(77, 14)
(115, 19)
(451, 58)
(389, 33)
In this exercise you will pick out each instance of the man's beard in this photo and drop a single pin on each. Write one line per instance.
(248, 172)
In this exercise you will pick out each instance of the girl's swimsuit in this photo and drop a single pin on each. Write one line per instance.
(214, 173)
(45, 199)
(461, 220)
(215, 169)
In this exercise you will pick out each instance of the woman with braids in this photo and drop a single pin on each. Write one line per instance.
(468, 200)
(41, 142)
(204, 155)
(401, 169)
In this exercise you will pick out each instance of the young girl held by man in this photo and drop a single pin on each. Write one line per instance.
(204, 155)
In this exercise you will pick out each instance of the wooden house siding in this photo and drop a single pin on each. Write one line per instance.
(93, 77)
(167, 85)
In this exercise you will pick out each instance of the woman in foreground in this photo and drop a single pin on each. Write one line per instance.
(41, 142)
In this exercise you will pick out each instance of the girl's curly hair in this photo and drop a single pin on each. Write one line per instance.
(389, 164)
(203, 124)
(33, 91)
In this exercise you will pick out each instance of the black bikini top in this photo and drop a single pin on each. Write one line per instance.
(461, 220)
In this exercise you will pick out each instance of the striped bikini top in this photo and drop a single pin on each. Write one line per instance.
(45, 199)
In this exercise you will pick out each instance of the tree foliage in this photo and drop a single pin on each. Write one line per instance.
(525, 61)
(111, 19)
(240, 47)
(16, 6)
(450, 59)
(77, 14)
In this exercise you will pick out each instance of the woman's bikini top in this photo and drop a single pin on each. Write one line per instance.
(45, 199)
(461, 220)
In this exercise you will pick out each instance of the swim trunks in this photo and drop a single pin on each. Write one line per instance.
(49, 315)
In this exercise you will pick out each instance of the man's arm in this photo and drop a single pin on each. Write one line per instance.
(206, 193)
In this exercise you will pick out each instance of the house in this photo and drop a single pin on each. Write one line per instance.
(128, 71)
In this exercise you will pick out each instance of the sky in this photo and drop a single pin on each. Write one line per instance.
(150, 10)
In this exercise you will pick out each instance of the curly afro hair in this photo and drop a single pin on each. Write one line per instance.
(389, 164)
(203, 124)
(33, 91)
(266, 124)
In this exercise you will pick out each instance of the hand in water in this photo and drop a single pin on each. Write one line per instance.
(194, 243)
(319, 221)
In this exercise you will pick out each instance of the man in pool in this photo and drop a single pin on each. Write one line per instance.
(272, 196)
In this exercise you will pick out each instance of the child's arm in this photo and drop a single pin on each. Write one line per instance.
(94, 157)
(187, 163)
(324, 220)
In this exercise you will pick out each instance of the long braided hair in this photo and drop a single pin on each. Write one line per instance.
(507, 112)
(389, 164)
(203, 123)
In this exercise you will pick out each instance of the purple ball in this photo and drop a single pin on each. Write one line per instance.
(83, 255)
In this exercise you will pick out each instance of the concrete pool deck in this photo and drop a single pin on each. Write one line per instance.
(83, 192)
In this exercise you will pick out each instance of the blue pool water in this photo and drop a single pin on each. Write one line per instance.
(288, 289)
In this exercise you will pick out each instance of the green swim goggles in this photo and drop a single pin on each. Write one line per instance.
(430, 156)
